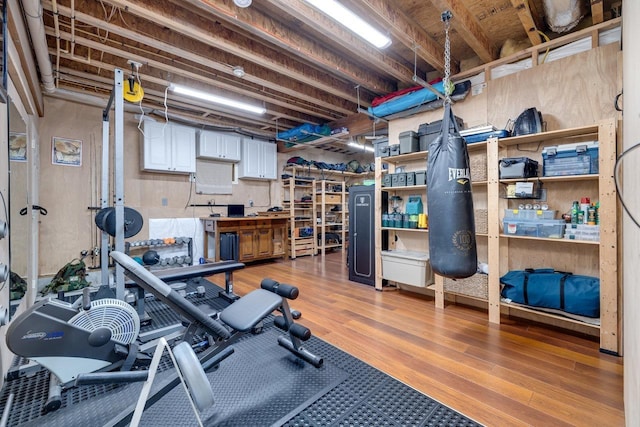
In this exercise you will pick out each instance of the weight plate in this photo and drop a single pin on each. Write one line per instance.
(100, 216)
(132, 222)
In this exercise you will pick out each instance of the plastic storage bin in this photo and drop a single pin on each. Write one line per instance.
(570, 159)
(582, 232)
(411, 178)
(421, 178)
(520, 228)
(529, 214)
(551, 229)
(381, 147)
(394, 149)
(409, 267)
(399, 179)
(548, 228)
(428, 132)
(408, 142)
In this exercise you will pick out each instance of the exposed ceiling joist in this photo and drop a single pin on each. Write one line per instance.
(469, 29)
(182, 52)
(407, 31)
(200, 30)
(303, 67)
(597, 11)
(307, 49)
(524, 14)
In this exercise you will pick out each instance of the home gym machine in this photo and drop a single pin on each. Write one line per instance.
(96, 342)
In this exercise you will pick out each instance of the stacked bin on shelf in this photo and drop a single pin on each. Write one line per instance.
(533, 223)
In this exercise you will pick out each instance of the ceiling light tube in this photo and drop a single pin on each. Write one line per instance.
(361, 146)
(217, 99)
(353, 22)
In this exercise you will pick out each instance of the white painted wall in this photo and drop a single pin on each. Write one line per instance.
(630, 192)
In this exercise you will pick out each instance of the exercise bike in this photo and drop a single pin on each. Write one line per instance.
(96, 342)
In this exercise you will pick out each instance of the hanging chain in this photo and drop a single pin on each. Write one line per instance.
(446, 18)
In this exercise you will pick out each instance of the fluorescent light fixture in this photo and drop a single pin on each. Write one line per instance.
(361, 146)
(352, 21)
(217, 99)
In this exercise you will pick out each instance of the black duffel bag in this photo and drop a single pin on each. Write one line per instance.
(545, 287)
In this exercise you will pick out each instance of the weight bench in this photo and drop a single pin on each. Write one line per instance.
(241, 316)
(235, 320)
(187, 273)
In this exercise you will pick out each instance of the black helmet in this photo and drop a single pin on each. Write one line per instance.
(150, 257)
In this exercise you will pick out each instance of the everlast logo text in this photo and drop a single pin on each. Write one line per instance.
(455, 174)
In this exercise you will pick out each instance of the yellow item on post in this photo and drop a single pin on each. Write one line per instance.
(423, 221)
(132, 91)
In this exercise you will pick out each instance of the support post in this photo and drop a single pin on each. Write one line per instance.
(118, 171)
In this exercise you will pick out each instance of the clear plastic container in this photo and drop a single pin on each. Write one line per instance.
(520, 228)
(529, 214)
(551, 229)
(548, 228)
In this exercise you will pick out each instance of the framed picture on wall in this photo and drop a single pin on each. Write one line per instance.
(17, 147)
(66, 152)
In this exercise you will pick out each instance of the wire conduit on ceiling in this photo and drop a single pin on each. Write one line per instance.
(33, 14)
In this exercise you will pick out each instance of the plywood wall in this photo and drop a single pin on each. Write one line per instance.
(574, 91)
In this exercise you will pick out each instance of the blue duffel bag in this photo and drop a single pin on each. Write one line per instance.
(545, 287)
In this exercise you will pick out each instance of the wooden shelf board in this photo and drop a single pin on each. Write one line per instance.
(422, 155)
(419, 155)
(458, 294)
(406, 188)
(338, 245)
(566, 178)
(423, 230)
(583, 131)
(519, 307)
(545, 239)
(322, 172)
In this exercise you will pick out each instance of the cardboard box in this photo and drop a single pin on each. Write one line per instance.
(329, 198)
(408, 267)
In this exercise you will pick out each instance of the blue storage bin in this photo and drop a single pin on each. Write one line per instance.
(570, 159)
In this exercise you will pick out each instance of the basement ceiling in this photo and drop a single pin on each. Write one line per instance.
(299, 64)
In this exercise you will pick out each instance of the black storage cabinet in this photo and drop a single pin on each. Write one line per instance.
(362, 221)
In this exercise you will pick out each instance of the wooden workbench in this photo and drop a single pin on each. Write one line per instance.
(259, 237)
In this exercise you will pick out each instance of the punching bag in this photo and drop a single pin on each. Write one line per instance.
(452, 237)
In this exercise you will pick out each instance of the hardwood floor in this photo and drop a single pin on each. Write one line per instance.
(512, 374)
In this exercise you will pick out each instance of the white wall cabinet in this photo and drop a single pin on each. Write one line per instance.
(168, 148)
(218, 146)
(259, 160)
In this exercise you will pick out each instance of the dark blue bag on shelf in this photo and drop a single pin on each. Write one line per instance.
(547, 288)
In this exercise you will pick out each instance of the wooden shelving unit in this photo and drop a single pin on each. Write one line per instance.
(301, 216)
(331, 216)
(314, 182)
(509, 252)
(586, 257)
